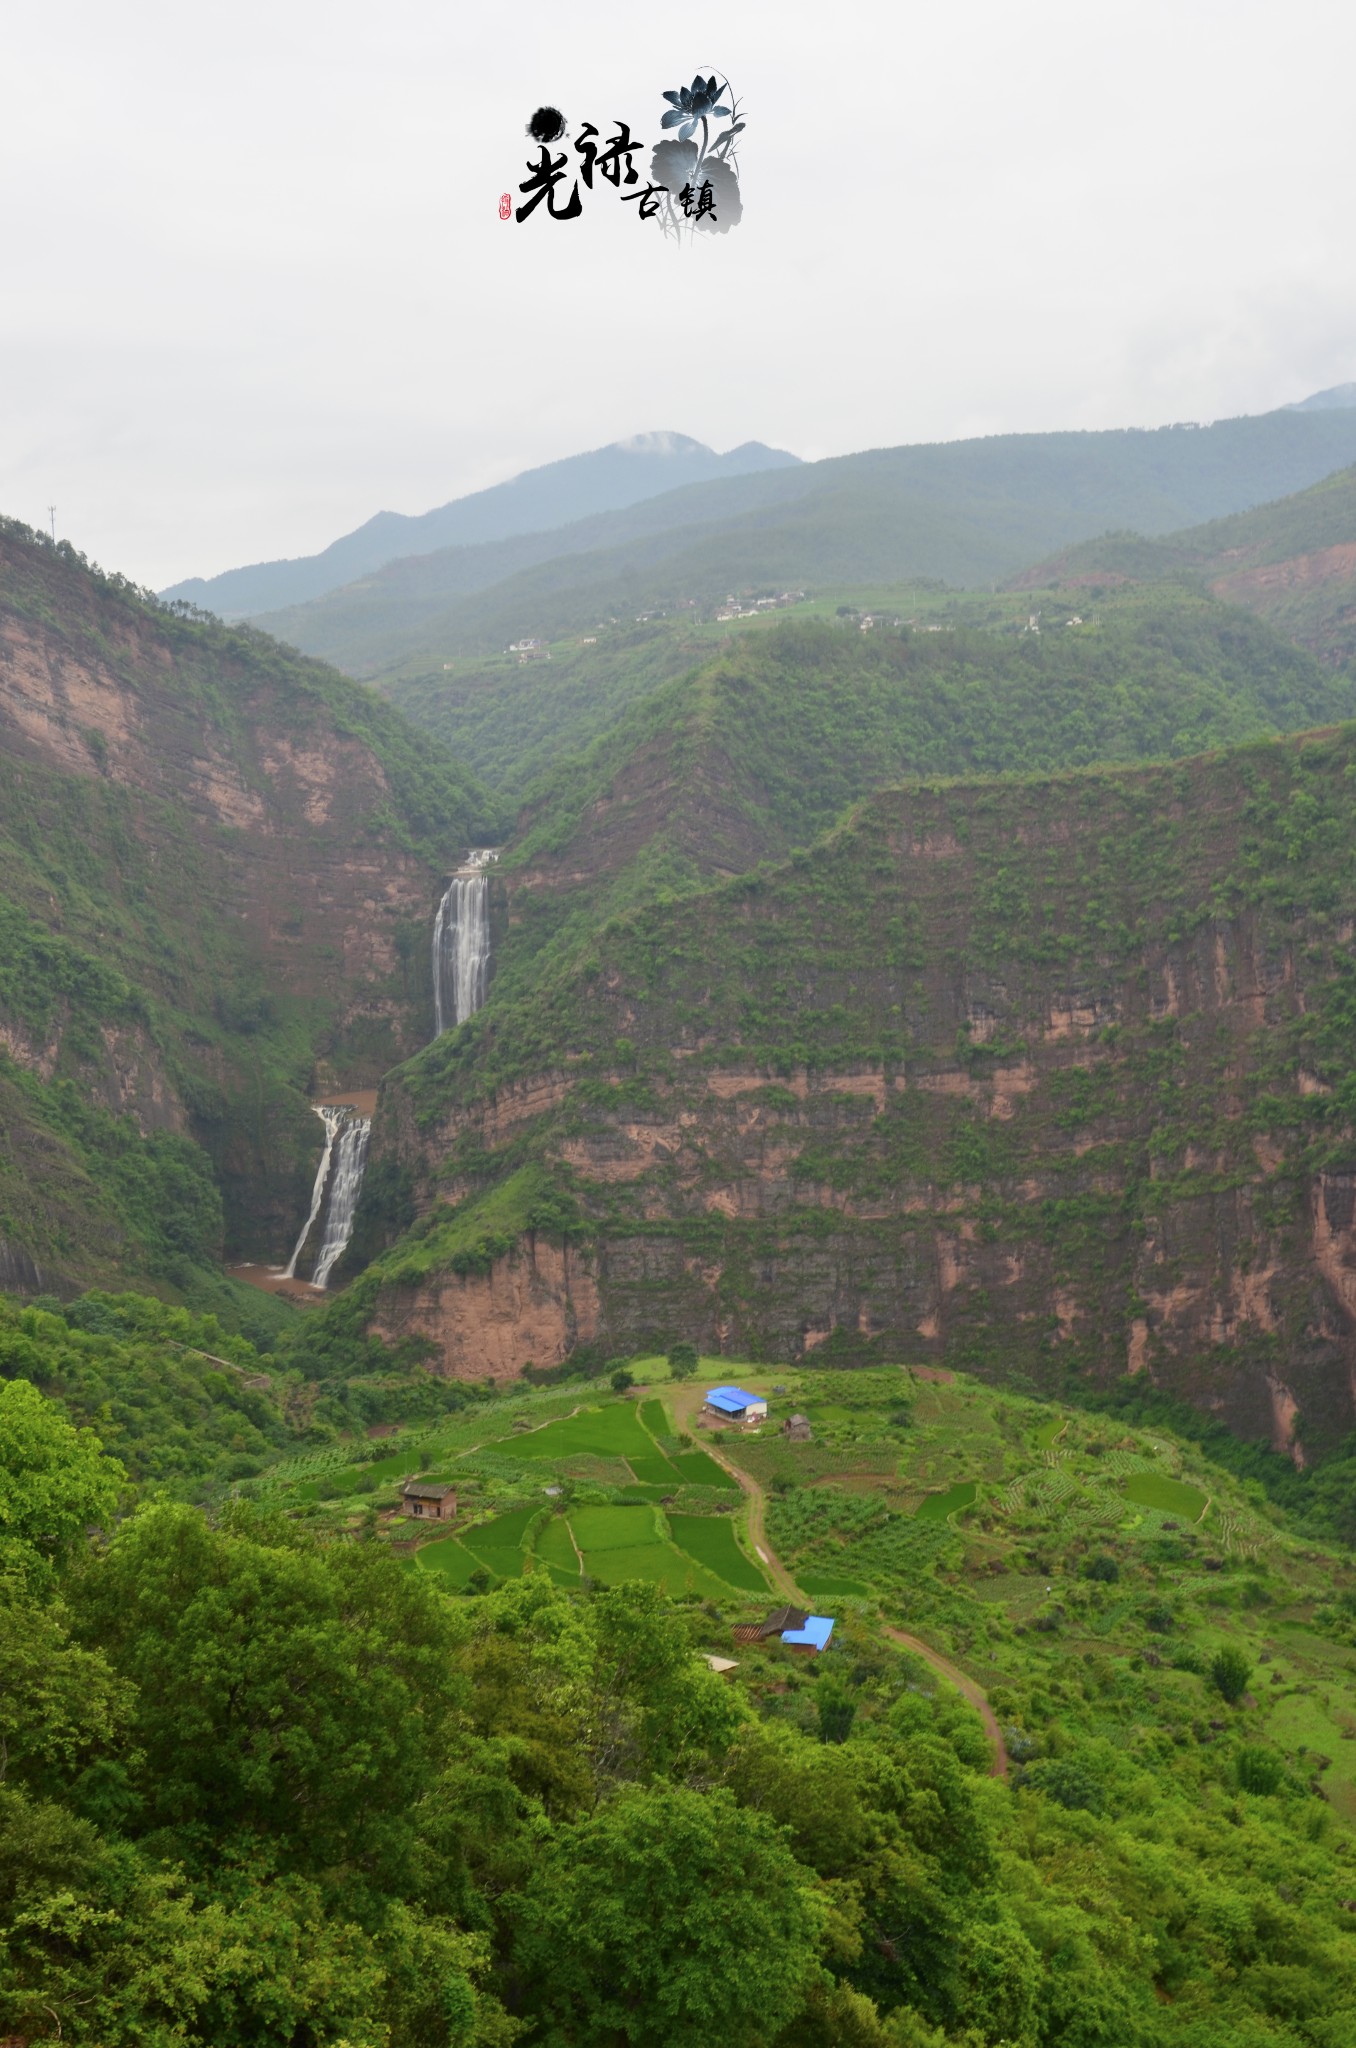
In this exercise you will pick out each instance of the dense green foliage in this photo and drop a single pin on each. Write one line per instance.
(174, 1396)
(1165, 674)
(511, 719)
(797, 722)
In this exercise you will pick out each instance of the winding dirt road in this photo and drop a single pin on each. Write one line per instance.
(685, 1401)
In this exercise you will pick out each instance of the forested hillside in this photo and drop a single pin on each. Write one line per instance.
(217, 864)
(271, 1782)
(967, 512)
(762, 747)
(1110, 672)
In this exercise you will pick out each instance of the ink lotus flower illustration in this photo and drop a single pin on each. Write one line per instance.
(691, 104)
(696, 167)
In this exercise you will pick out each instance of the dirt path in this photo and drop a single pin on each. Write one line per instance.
(967, 1687)
(686, 1400)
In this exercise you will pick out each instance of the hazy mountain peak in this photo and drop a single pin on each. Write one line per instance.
(666, 444)
(538, 501)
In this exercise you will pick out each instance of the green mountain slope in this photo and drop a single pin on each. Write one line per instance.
(217, 863)
(1049, 1079)
(761, 749)
(1293, 563)
(967, 511)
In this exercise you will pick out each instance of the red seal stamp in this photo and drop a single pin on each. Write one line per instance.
(505, 206)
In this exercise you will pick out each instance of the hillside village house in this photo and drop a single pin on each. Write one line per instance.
(431, 1503)
(733, 1404)
(794, 1626)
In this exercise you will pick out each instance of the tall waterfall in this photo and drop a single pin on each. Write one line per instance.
(461, 944)
(349, 1161)
(331, 1118)
(338, 1179)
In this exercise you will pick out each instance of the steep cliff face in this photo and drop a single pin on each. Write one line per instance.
(533, 1307)
(217, 868)
(1048, 1079)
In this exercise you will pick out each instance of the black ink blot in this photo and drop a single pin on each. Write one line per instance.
(546, 125)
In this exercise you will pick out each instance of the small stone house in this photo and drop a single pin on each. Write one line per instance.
(797, 1429)
(429, 1502)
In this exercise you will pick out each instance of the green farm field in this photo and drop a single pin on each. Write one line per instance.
(710, 1539)
(618, 1541)
(1171, 1496)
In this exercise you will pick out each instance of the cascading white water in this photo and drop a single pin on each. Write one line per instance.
(331, 1118)
(349, 1161)
(461, 944)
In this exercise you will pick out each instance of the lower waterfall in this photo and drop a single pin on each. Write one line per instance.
(347, 1180)
(331, 1118)
(461, 944)
(338, 1182)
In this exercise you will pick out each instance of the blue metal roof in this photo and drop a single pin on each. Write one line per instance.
(815, 1634)
(732, 1399)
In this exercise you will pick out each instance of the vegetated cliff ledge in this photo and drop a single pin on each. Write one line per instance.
(218, 867)
(1052, 1079)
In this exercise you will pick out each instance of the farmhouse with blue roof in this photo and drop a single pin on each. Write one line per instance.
(734, 1404)
(813, 1635)
(794, 1626)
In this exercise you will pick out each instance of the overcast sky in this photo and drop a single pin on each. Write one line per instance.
(255, 287)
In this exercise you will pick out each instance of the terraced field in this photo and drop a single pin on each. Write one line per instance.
(617, 1540)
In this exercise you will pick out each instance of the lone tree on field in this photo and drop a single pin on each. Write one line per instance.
(683, 1361)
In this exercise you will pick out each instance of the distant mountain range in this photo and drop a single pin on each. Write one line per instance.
(604, 480)
(963, 512)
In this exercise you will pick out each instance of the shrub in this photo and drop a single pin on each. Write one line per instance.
(1259, 1769)
(1068, 1782)
(1230, 1672)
